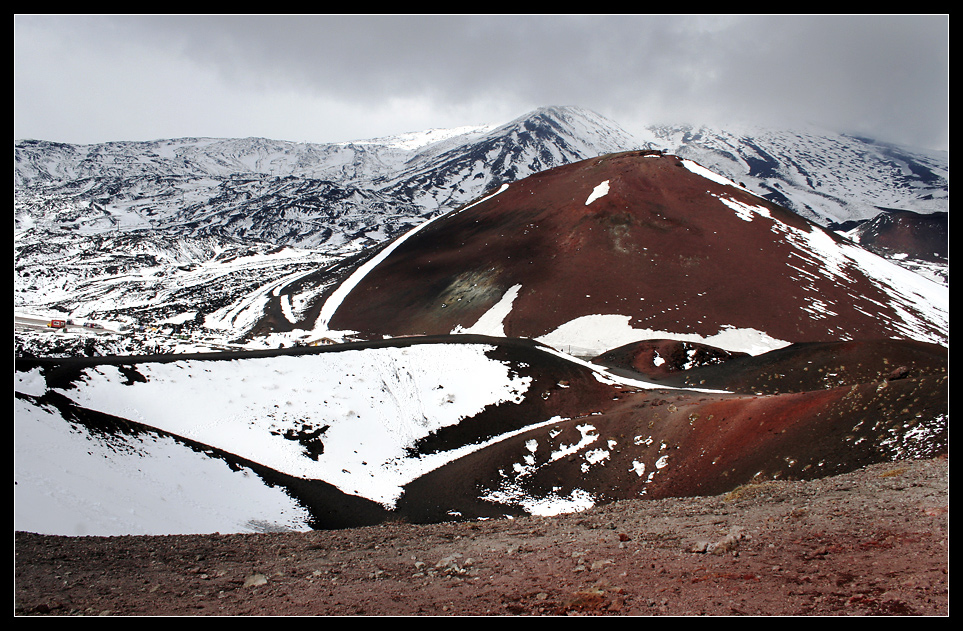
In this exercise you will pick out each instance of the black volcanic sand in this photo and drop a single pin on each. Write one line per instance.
(655, 359)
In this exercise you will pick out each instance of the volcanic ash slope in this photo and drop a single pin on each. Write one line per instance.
(594, 255)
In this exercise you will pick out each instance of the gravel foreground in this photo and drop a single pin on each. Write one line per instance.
(873, 542)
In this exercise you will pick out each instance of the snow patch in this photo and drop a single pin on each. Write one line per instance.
(335, 300)
(706, 173)
(512, 491)
(366, 407)
(745, 212)
(492, 321)
(72, 482)
(592, 335)
(599, 191)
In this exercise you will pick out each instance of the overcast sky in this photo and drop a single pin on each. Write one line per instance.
(89, 79)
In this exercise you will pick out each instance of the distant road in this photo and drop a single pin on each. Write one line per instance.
(39, 323)
(30, 323)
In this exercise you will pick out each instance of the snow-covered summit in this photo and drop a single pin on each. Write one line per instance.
(827, 177)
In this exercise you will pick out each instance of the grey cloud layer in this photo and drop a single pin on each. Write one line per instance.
(873, 74)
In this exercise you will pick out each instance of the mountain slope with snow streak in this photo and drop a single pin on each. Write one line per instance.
(824, 176)
(640, 245)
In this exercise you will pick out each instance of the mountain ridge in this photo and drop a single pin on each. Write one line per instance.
(333, 202)
(777, 164)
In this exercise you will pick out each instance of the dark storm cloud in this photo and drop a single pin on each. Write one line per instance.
(882, 75)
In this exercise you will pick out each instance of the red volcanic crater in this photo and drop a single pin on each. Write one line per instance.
(801, 412)
(795, 368)
(642, 235)
(905, 232)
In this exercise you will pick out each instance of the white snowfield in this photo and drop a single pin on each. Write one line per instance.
(369, 406)
(593, 335)
(70, 481)
(375, 403)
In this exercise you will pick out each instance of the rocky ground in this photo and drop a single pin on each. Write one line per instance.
(871, 542)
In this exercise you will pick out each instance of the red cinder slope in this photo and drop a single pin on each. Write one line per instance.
(647, 236)
(672, 443)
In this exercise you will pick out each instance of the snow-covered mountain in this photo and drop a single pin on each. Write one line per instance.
(826, 177)
(313, 195)
(129, 229)
(335, 195)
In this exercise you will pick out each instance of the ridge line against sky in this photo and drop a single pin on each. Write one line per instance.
(88, 79)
